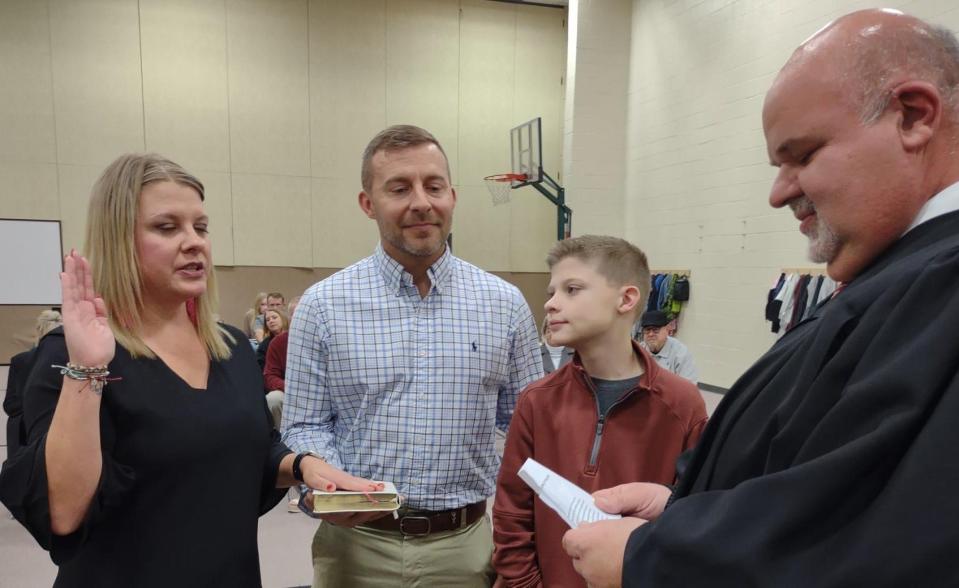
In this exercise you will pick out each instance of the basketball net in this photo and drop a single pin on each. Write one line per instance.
(500, 186)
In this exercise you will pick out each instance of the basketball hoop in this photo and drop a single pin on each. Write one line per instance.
(500, 186)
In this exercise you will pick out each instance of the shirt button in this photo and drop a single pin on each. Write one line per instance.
(422, 354)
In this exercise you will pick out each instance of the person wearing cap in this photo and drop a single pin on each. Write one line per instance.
(670, 353)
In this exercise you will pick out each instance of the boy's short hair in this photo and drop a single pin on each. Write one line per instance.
(618, 260)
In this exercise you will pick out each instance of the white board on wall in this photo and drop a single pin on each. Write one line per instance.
(30, 262)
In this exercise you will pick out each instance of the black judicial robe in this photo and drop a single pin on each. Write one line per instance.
(834, 460)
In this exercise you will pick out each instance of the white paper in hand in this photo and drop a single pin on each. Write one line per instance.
(571, 502)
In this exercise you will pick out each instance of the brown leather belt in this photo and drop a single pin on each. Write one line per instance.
(420, 523)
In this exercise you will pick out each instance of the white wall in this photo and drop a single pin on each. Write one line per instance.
(270, 103)
(697, 174)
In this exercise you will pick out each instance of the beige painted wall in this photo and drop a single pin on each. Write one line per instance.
(697, 174)
(234, 283)
(270, 102)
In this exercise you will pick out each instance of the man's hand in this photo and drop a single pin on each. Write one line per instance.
(638, 499)
(597, 550)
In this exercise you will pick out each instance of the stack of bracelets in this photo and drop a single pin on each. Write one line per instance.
(97, 376)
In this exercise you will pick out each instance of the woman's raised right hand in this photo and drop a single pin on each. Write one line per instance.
(90, 341)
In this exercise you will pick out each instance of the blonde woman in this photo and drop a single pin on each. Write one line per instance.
(150, 453)
(253, 320)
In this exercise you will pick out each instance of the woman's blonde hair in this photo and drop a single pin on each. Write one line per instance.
(250, 316)
(111, 248)
(260, 299)
(47, 320)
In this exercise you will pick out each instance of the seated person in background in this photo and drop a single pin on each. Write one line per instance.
(17, 379)
(274, 371)
(553, 357)
(276, 322)
(275, 301)
(609, 416)
(668, 351)
(253, 320)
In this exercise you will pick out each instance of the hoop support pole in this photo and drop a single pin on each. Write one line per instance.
(564, 214)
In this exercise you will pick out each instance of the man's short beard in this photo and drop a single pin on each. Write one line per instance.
(655, 349)
(824, 243)
(425, 251)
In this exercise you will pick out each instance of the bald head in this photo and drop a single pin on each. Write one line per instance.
(861, 124)
(871, 51)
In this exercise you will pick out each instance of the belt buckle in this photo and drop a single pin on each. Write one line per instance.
(415, 518)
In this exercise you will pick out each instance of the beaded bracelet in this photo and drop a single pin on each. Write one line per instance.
(97, 376)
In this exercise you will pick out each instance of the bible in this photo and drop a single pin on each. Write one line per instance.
(385, 500)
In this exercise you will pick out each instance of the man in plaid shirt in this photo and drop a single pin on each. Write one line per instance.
(400, 368)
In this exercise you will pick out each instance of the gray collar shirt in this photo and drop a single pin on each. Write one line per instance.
(675, 357)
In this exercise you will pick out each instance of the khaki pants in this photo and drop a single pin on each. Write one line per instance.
(369, 558)
(274, 400)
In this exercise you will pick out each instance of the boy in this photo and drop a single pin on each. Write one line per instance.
(609, 416)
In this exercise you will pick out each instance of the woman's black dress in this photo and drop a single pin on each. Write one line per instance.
(186, 474)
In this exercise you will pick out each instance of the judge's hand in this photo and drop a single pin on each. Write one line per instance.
(319, 475)
(90, 342)
(597, 550)
(638, 499)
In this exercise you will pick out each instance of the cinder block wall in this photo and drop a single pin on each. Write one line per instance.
(697, 173)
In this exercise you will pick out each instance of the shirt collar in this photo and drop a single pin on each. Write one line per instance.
(650, 373)
(942, 203)
(395, 276)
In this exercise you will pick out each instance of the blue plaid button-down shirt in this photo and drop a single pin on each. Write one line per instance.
(391, 386)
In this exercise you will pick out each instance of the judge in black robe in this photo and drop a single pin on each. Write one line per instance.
(832, 462)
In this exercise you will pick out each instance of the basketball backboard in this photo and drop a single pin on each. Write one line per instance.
(526, 151)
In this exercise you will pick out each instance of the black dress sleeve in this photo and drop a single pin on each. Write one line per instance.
(246, 366)
(23, 479)
(270, 494)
